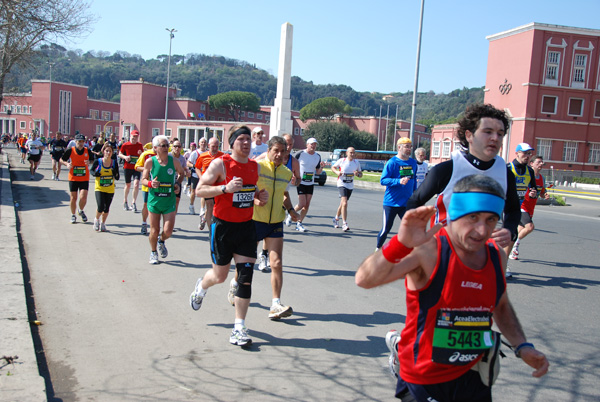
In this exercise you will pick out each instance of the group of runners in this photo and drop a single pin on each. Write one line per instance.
(453, 256)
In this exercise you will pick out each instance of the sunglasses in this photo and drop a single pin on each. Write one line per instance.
(163, 146)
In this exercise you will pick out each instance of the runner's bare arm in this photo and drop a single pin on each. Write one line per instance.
(214, 174)
(508, 323)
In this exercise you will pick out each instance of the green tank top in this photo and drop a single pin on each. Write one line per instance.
(163, 197)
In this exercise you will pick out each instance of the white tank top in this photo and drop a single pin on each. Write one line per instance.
(461, 167)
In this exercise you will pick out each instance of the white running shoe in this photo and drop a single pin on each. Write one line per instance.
(192, 211)
(300, 227)
(153, 258)
(336, 223)
(96, 225)
(391, 340)
(233, 287)
(240, 337)
(134, 207)
(280, 311)
(73, 219)
(513, 255)
(125, 206)
(263, 264)
(508, 274)
(288, 220)
(102, 227)
(202, 222)
(195, 298)
(144, 230)
(53, 176)
(345, 228)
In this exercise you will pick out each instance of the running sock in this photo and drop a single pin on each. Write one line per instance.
(275, 302)
(239, 324)
(517, 243)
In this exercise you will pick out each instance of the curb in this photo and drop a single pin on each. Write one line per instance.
(19, 381)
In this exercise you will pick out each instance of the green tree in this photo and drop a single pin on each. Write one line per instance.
(26, 24)
(235, 102)
(324, 108)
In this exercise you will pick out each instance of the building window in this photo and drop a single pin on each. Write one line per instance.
(22, 125)
(108, 130)
(435, 149)
(597, 109)
(579, 70)
(94, 114)
(106, 116)
(98, 128)
(302, 131)
(168, 133)
(259, 116)
(296, 131)
(203, 107)
(446, 149)
(575, 107)
(251, 115)
(155, 132)
(116, 116)
(552, 67)
(456, 145)
(544, 149)
(549, 104)
(594, 156)
(570, 151)
(5, 108)
(242, 113)
(221, 110)
(19, 109)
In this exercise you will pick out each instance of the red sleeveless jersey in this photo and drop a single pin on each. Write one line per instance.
(455, 294)
(239, 206)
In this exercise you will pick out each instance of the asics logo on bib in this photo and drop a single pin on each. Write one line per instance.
(457, 356)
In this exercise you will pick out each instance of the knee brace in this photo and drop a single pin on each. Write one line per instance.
(245, 270)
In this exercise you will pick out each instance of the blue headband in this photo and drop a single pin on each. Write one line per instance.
(462, 204)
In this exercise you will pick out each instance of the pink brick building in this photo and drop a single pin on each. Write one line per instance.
(71, 111)
(547, 78)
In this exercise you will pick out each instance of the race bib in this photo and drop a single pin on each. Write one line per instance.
(348, 177)
(79, 171)
(308, 177)
(164, 190)
(106, 181)
(244, 198)
(406, 171)
(461, 336)
(133, 159)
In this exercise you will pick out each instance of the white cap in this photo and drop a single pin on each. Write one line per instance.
(311, 140)
(257, 130)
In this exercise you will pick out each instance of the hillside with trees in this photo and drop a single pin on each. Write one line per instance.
(199, 76)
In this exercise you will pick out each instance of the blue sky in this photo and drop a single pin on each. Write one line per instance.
(368, 45)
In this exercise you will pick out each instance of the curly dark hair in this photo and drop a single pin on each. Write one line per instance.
(473, 116)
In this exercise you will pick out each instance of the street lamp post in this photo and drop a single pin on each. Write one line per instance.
(50, 98)
(414, 101)
(171, 36)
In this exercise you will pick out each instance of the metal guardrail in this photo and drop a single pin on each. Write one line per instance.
(586, 195)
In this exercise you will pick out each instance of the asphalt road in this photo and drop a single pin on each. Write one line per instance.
(118, 329)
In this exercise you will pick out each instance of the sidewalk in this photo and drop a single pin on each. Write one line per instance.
(21, 380)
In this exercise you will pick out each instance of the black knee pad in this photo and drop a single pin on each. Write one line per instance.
(245, 271)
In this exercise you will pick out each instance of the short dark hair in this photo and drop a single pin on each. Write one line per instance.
(479, 182)
(472, 117)
(277, 140)
(535, 158)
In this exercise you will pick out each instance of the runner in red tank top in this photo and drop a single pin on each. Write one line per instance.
(231, 181)
(455, 286)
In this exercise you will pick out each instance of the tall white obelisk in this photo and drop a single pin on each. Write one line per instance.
(281, 116)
